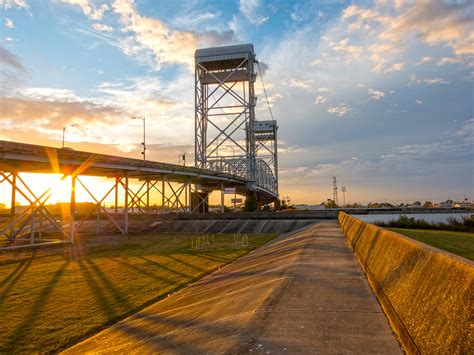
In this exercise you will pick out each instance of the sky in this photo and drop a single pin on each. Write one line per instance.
(377, 93)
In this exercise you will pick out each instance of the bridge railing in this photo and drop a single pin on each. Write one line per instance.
(239, 166)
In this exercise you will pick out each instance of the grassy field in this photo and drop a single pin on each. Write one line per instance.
(460, 243)
(49, 301)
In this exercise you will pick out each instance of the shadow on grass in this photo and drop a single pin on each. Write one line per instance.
(14, 276)
(119, 297)
(162, 266)
(96, 290)
(143, 271)
(36, 309)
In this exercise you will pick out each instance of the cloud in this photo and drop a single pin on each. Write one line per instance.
(8, 4)
(11, 60)
(427, 81)
(195, 19)
(419, 102)
(9, 23)
(467, 130)
(102, 28)
(339, 110)
(375, 94)
(302, 84)
(395, 67)
(91, 10)
(434, 21)
(449, 60)
(48, 117)
(320, 100)
(156, 42)
(344, 46)
(435, 81)
(50, 94)
(249, 8)
(425, 60)
(12, 72)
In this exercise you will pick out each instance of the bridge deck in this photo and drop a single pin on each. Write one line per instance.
(21, 157)
(305, 292)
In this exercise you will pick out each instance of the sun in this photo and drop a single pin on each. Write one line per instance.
(56, 186)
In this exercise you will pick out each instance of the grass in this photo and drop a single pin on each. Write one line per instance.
(459, 243)
(51, 300)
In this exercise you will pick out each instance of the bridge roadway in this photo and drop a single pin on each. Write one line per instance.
(304, 292)
(29, 158)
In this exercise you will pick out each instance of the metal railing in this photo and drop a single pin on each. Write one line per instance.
(239, 166)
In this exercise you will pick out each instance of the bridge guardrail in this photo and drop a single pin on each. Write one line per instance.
(239, 166)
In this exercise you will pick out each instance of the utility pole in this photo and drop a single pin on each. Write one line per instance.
(343, 189)
(334, 190)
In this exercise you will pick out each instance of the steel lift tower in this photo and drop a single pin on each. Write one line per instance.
(228, 138)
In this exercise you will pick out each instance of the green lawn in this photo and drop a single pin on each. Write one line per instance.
(460, 243)
(49, 301)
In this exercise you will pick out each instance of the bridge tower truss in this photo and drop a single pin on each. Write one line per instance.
(228, 138)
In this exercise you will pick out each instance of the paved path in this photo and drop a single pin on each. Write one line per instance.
(303, 293)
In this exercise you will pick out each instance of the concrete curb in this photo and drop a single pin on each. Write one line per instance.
(426, 293)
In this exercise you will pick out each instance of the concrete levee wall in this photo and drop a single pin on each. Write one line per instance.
(426, 293)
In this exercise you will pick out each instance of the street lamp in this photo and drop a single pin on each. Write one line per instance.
(64, 130)
(143, 143)
(182, 156)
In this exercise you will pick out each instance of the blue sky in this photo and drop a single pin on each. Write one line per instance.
(377, 93)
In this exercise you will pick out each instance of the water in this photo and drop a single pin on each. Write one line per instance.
(429, 217)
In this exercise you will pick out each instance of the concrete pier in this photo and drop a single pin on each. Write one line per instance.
(304, 292)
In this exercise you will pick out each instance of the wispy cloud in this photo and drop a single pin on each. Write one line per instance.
(9, 4)
(89, 8)
(339, 110)
(302, 84)
(320, 99)
(250, 9)
(424, 60)
(12, 72)
(8, 23)
(375, 94)
(102, 27)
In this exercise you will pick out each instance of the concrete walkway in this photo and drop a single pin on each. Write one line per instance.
(304, 293)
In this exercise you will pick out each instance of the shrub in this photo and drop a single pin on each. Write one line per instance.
(452, 224)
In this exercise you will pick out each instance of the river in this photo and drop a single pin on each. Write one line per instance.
(429, 217)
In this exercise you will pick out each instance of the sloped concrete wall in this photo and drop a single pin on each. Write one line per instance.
(426, 293)
(229, 226)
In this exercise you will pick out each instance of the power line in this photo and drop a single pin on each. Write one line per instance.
(265, 91)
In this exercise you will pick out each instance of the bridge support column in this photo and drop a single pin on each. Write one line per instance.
(18, 223)
(222, 198)
(125, 211)
(72, 211)
(116, 194)
(252, 201)
(13, 200)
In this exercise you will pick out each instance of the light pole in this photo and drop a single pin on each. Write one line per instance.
(144, 125)
(344, 194)
(182, 156)
(64, 130)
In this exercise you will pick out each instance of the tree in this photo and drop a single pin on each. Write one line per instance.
(428, 204)
(330, 204)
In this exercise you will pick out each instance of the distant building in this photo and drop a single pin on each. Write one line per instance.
(464, 204)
